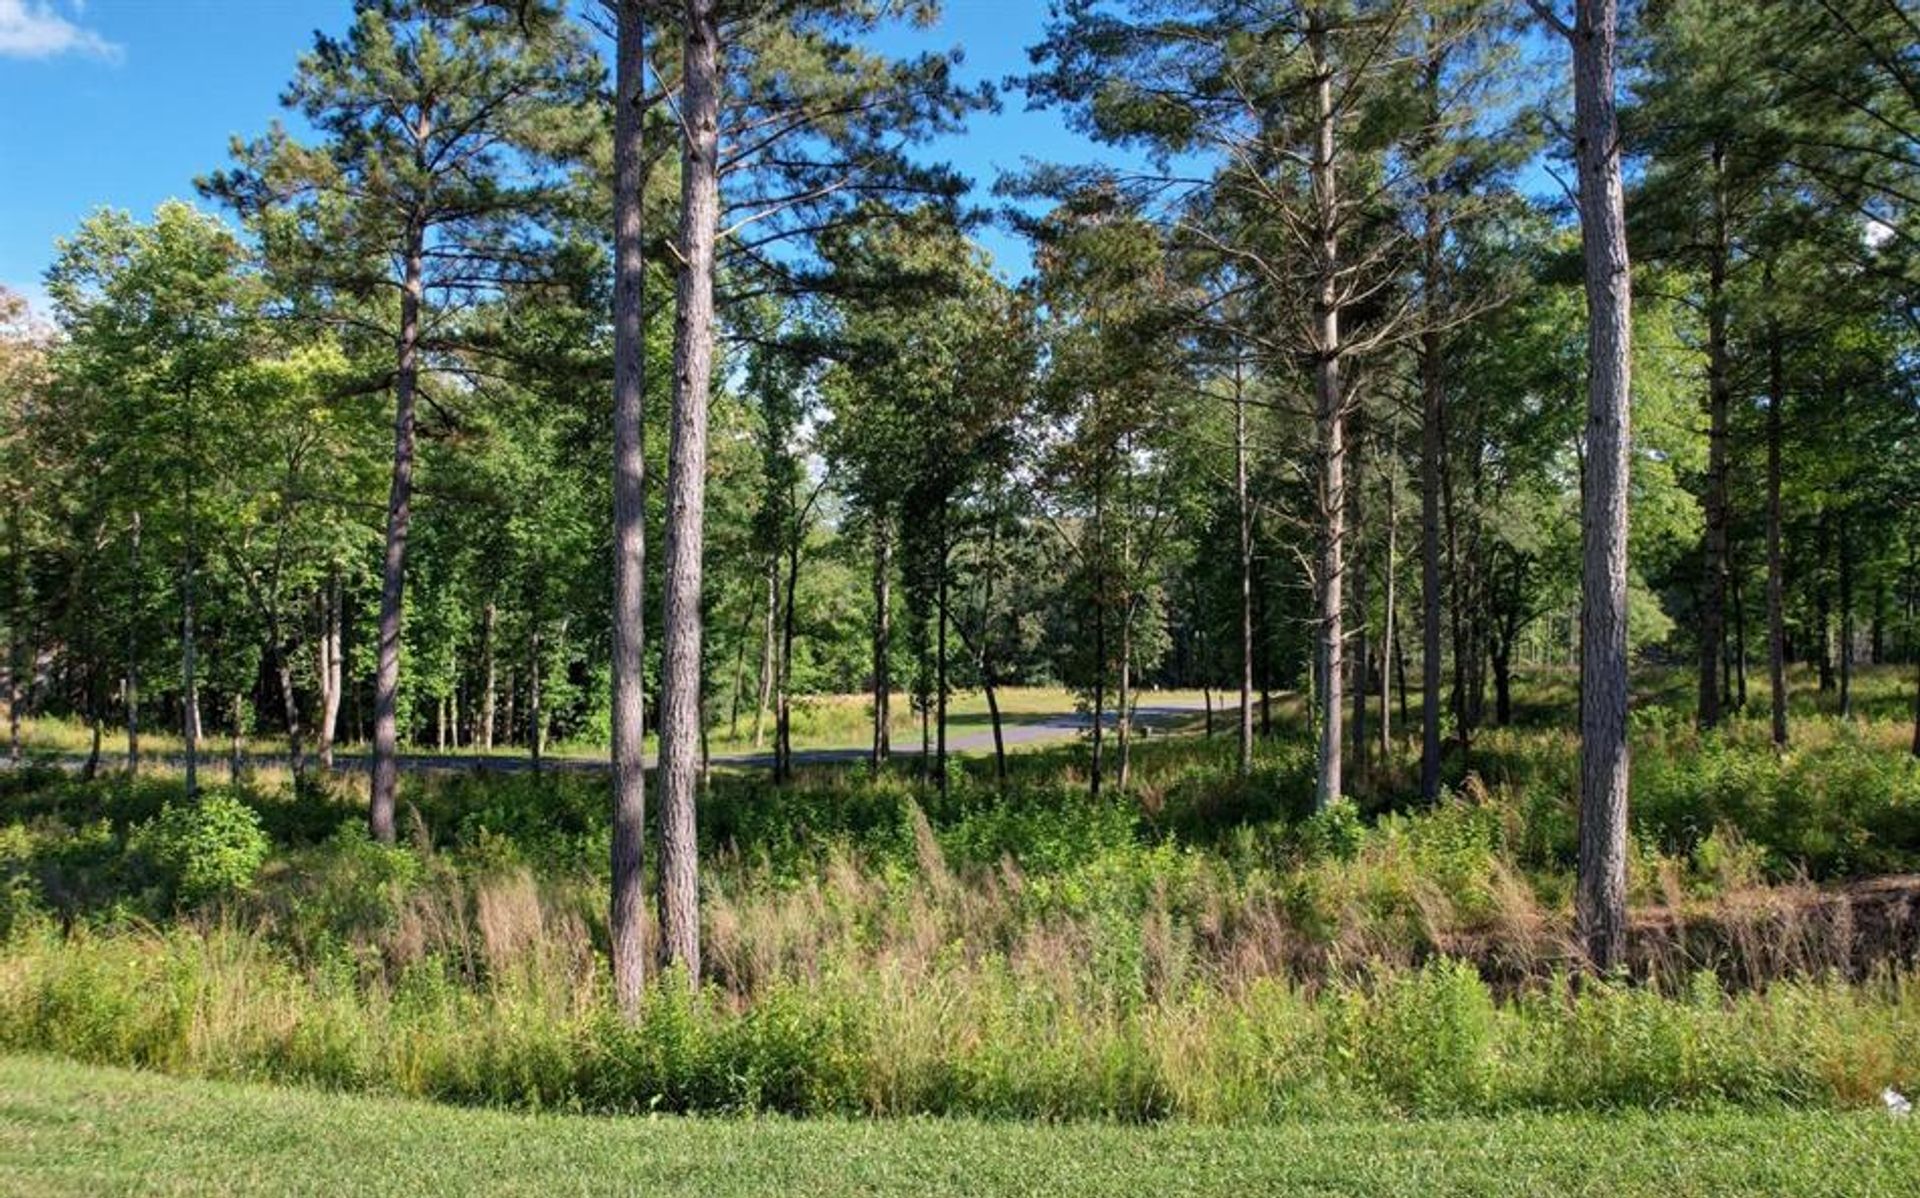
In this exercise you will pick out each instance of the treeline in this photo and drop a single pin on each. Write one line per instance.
(1310, 388)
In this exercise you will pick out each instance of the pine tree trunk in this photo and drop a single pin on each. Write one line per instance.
(1331, 424)
(16, 618)
(393, 571)
(783, 749)
(490, 682)
(1822, 605)
(1243, 509)
(1432, 464)
(1739, 643)
(1123, 699)
(987, 680)
(1713, 598)
(133, 650)
(1916, 711)
(1602, 882)
(940, 665)
(236, 749)
(536, 727)
(1389, 633)
(189, 668)
(882, 640)
(1362, 647)
(1100, 661)
(767, 660)
(1846, 618)
(686, 488)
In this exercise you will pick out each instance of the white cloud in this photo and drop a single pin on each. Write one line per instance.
(33, 29)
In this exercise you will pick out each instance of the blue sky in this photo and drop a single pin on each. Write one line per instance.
(121, 103)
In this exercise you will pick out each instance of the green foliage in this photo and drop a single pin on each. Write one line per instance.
(203, 851)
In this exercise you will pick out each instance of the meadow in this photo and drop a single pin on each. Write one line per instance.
(1201, 949)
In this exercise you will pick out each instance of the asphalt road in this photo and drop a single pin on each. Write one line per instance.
(1149, 718)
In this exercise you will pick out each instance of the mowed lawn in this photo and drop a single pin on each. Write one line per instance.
(73, 1129)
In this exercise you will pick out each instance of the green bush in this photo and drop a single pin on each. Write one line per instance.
(203, 851)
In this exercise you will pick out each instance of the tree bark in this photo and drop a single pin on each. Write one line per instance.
(1713, 598)
(882, 640)
(940, 663)
(236, 748)
(189, 665)
(331, 670)
(290, 704)
(1389, 633)
(393, 572)
(1823, 603)
(1601, 904)
(783, 728)
(686, 487)
(767, 650)
(133, 649)
(1432, 464)
(1362, 655)
(1916, 712)
(1331, 424)
(490, 683)
(536, 730)
(1244, 511)
(16, 617)
(1846, 616)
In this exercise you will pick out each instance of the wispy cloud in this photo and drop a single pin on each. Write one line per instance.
(34, 29)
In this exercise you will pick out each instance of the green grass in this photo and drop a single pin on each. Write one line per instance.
(71, 1129)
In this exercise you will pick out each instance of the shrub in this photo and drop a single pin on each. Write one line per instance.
(203, 851)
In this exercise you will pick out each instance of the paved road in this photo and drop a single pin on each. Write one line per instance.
(1030, 730)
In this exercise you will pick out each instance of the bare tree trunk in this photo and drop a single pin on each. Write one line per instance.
(16, 617)
(489, 681)
(882, 639)
(1822, 603)
(1713, 598)
(1244, 510)
(1776, 584)
(509, 726)
(330, 666)
(1389, 634)
(1432, 465)
(536, 724)
(91, 769)
(987, 680)
(767, 660)
(940, 663)
(189, 666)
(236, 749)
(1400, 676)
(1846, 616)
(1362, 655)
(133, 651)
(1331, 421)
(1123, 699)
(1099, 634)
(1739, 642)
(1916, 712)
(686, 487)
(393, 575)
(290, 703)
(739, 687)
(1601, 902)
(783, 728)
